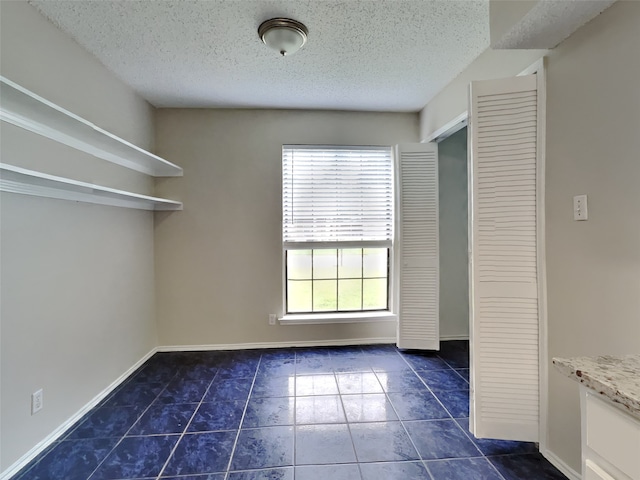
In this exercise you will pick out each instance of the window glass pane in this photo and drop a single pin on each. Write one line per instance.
(375, 262)
(374, 294)
(298, 296)
(350, 263)
(349, 295)
(337, 280)
(325, 298)
(325, 263)
(299, 264)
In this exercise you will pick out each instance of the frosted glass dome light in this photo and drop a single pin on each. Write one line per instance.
(283, 34)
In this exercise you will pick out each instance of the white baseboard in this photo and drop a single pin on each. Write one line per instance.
(247, 346)
(300, 343)
(58, 432)
(444, 338)
(569, 472)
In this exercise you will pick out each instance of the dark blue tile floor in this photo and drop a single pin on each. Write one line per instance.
(345, 413)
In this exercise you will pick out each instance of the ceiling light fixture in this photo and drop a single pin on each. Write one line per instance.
(283, 34)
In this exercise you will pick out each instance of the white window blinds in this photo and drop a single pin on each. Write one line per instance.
(337, 194)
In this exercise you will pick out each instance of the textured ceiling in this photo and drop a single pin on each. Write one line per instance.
(383, 55)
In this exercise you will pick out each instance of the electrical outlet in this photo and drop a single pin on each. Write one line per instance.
(272, 318)
(580, 208)
(36, 402)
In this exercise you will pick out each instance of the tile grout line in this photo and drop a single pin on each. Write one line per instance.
(427, 386)
(468, 434)
(63, 437)
(90, 413)
(346, 419)
(244, 412)
(445, 409)
(132, 425)
(386, 395)
(295, 412)
(187, 425)
(334, 374)
(295, 403)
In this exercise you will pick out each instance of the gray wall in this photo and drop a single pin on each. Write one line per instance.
(593, 267)
(219, 262)
(453, 99)
(454, 268)
(77, 291)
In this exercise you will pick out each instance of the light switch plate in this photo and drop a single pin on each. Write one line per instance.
(580, 211)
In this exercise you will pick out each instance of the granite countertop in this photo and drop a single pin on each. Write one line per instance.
(616, 378)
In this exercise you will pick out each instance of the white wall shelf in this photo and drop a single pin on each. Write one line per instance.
(25, 109)
(29, 182)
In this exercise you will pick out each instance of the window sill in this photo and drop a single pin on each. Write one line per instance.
(320, 318)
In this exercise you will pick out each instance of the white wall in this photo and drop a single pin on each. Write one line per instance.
(593, 267)
(454, 266)
(219, 262)
(77, 279)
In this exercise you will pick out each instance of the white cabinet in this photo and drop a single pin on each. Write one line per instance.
(610, 440)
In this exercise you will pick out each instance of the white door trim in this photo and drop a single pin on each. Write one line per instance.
(538, 68)
(448, 128)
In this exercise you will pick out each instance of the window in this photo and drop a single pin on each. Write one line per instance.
(337, 228)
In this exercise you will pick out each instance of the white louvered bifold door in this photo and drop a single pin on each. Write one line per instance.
(504, 291)
(416, 247)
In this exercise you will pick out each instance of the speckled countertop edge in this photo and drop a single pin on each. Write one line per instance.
(617, 378)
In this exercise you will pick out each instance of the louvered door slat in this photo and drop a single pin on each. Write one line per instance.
(505, 371)
(417, 246)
